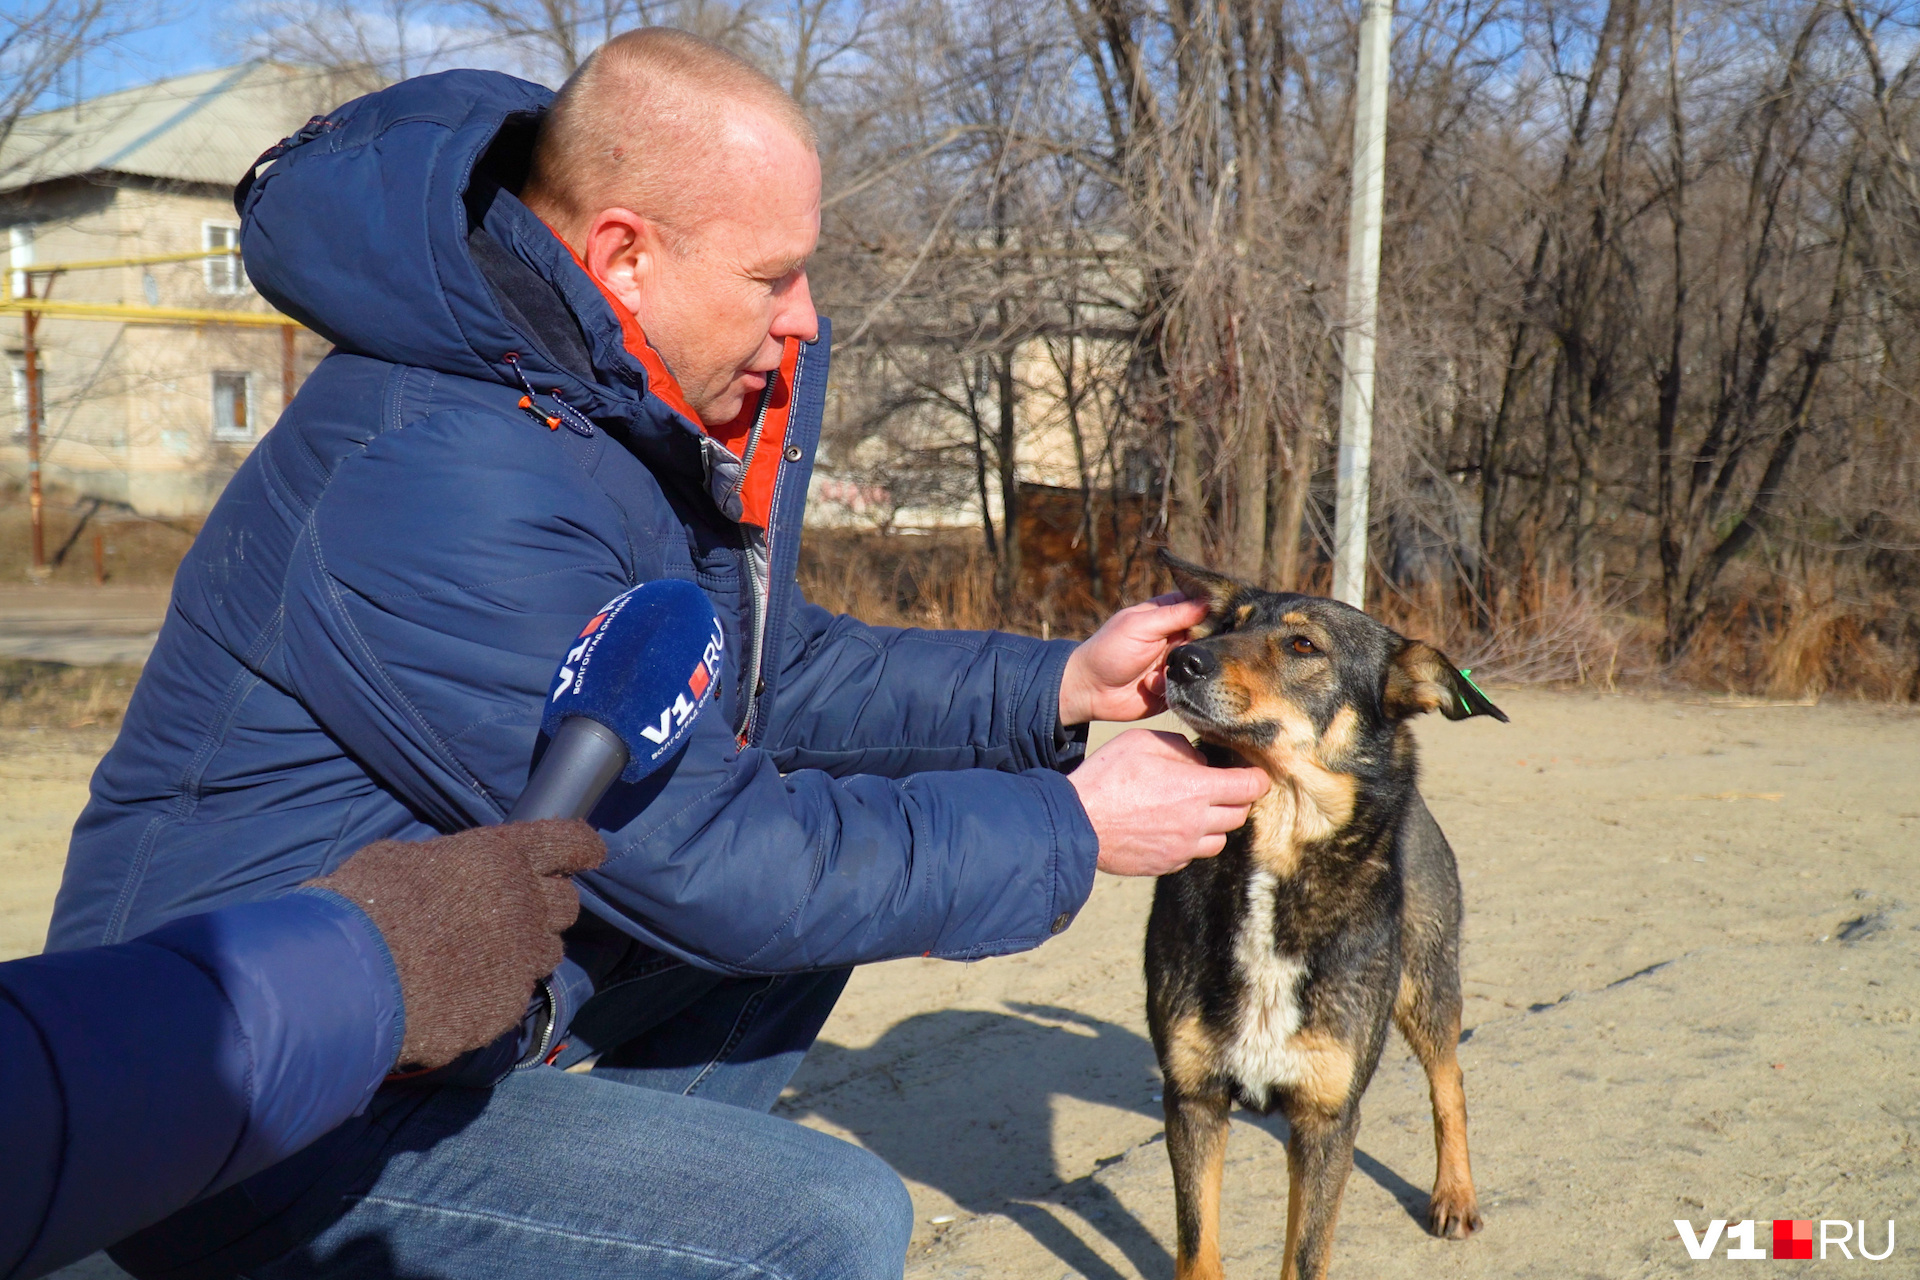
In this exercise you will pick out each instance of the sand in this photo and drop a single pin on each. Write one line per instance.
(1692, 970)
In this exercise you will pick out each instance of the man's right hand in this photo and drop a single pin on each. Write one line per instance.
(1156, 805)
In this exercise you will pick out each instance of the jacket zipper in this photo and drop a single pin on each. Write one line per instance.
(752, 558)
(545, 1042)
(757, 587)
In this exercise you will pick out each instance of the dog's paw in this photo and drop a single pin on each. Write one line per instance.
(1453, 1215)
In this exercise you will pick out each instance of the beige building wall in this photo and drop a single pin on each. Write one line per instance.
(855, 491)
(130, 407)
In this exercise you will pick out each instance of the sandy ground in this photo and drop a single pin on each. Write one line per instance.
(43, 784)
(1693, 991)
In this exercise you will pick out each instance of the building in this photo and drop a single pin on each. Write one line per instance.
(912, 437)
(140, 406)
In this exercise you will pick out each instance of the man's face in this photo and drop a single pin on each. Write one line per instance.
(719, 297)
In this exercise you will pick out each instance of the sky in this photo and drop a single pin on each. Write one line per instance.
(192, 35)
(184, 36)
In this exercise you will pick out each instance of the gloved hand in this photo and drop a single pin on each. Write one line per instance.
(473, 921)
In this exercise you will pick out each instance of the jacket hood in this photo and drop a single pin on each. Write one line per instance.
(364, 227)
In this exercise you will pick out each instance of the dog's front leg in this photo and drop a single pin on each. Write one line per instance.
(1319, 1158)
(1197, 1146)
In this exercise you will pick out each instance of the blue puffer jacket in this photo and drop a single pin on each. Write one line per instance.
(139, 1077)
(361, 639)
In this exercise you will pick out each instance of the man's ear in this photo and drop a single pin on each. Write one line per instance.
(1202, 584)
(1421, 678)
(620, 249)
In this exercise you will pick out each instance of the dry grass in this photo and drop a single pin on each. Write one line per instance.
(1767, 635)
(1764, 639)
(901, 580)
(1559, 638)
(1802, 641)
(946, 579)
(1544, 634)
(134, 552)
(53, 695)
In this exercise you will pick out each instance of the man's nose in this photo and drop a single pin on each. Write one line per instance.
(796, 317)
(1190, 663)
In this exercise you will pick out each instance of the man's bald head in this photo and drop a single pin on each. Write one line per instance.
(639, 125)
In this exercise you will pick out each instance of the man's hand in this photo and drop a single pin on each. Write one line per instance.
(1156, 805)
(1120, 673)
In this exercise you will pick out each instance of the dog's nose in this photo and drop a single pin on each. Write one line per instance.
(1190, 662)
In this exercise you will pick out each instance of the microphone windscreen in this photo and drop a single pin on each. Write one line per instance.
(644, 666)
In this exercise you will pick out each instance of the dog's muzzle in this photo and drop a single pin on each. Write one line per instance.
(1190, 664)
(1193, 691)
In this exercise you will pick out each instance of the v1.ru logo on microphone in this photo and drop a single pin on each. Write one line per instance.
(1793, 1239)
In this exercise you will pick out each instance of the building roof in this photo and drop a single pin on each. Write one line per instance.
(206, 127)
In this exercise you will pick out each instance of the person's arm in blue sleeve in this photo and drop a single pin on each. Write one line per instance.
(725, 861)
(140, 1077)
(888, 700)
(137, 1078)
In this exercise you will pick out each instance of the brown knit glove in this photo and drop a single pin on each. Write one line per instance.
(473, 921)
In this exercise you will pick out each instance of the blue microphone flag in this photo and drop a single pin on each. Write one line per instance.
(644, 666)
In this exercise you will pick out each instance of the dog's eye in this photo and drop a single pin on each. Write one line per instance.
(1301, 645)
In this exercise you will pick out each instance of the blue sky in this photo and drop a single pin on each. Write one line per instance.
(183, 36)
(190, 36)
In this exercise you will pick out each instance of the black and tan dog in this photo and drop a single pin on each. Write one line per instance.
(1273, 968)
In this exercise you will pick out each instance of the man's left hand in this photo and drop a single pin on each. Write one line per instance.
(1120, 672)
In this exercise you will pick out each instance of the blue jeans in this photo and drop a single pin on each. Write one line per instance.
(660, 1163)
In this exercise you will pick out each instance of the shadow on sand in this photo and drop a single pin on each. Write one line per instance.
(963, 1101)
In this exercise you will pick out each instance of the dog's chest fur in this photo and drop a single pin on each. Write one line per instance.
(1271, 1046)
(1265, 1052)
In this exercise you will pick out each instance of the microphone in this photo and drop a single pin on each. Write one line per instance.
(625, 697)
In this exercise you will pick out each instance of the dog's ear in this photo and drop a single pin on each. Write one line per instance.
(1202, 584)
(1421, 678)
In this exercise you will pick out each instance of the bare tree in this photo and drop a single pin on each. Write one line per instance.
(363, 46)
(43, 43)
(1650, 306)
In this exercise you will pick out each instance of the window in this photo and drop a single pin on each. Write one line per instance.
(1140, 472)
(224, 274)
(232, 404)
(19, 254)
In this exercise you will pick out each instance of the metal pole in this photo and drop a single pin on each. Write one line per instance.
(30, 356)
(1363, 303)
(286, 366)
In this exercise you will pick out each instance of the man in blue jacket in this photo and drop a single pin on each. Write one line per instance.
(521, 419)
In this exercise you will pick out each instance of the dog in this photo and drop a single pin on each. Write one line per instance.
(1273, 968)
